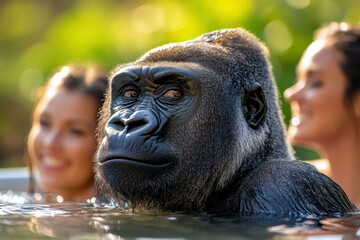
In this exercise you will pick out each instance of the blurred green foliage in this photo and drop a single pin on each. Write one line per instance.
(37, 36)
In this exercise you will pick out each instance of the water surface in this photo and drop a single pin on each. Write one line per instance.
(26, 217)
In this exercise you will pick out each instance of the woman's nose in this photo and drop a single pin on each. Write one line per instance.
(52, 141)
(292, 93)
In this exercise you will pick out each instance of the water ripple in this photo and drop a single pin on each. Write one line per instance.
(25, 216)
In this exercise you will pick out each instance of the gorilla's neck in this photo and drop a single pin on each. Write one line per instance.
(225, 201)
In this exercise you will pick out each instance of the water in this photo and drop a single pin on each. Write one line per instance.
(27, 217)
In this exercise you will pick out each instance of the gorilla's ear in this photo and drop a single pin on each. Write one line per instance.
(254, 105)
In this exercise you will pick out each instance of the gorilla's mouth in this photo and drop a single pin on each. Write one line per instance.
(158, 163)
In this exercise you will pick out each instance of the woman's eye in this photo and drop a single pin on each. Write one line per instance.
(76, 131)
(131, 94)
(315, 83)
(173, 93)
(44, 123)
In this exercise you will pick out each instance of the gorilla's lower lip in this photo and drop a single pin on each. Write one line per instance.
(122, 160)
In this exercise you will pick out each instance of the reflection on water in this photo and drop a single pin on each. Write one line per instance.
(27, 217)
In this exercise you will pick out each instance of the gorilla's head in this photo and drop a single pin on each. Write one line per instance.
(186, 119)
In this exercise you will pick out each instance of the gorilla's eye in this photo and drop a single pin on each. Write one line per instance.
(173, 93)
(131, 93)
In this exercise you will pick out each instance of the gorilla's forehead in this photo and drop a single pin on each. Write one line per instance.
(157, 73)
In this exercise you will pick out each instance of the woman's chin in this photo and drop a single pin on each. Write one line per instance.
(298, 136)
(50, 185)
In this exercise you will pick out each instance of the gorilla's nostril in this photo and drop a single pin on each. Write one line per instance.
(118, 125)
(134, 125)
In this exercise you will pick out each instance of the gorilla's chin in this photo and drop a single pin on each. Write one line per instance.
(124, 175)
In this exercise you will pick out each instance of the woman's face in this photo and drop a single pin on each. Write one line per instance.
(62, 141)
(319, 110)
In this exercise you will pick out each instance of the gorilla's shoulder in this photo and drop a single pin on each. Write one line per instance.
(291, 186)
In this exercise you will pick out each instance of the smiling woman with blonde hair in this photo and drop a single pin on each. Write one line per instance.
(325, 104)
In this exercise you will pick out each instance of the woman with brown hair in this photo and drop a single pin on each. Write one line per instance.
(325, 104)
(62, 140)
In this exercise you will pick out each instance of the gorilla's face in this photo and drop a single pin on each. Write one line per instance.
(138, 150)
(159, 138)
(143, 100)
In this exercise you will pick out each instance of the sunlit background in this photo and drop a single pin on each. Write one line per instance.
(37, 36)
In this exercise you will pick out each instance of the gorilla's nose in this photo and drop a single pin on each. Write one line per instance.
(142, 122)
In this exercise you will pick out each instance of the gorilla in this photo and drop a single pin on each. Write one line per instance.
(196, 127)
